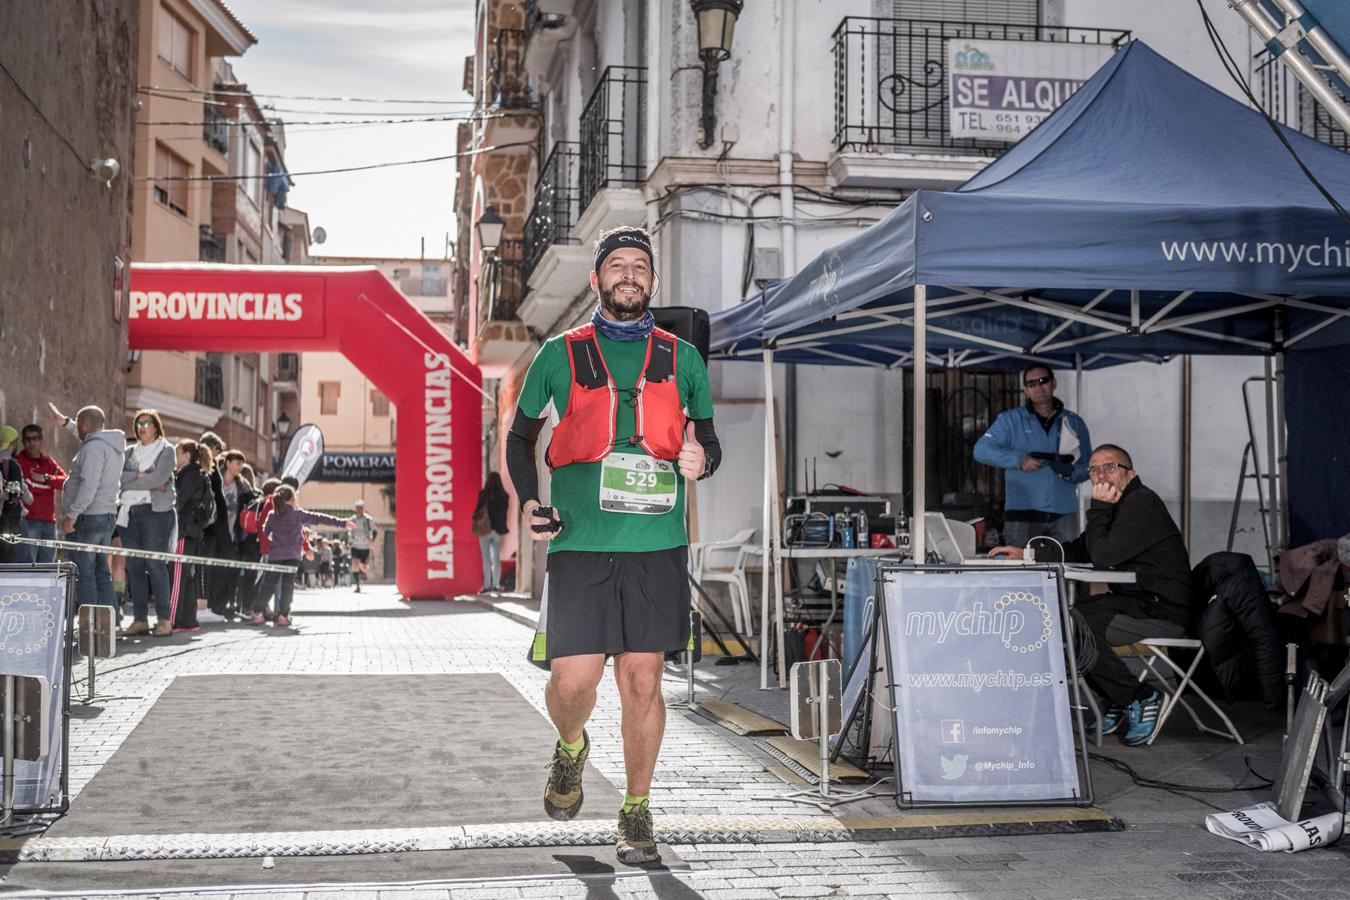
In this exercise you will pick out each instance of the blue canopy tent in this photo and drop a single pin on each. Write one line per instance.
(1149, 216)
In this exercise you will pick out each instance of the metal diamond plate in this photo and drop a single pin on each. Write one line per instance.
(669, 829)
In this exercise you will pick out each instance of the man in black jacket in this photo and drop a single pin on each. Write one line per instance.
(1128, 528)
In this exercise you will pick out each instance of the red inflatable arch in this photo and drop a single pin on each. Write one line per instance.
(354, 310)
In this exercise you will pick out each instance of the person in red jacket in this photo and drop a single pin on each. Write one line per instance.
(44, 477)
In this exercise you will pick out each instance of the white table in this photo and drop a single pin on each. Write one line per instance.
(1072, 571)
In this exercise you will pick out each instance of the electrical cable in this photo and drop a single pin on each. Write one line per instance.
(83, 160)
(227, 92)
(383, 165)
(289, 124)
(1183, 790)
(1231, 67)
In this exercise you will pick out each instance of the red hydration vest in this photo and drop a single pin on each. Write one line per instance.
(586, 432)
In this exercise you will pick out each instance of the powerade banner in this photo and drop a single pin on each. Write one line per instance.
(982, 703)
(1000, 90)
(370, 468)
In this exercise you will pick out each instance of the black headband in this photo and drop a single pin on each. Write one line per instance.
(620, 241)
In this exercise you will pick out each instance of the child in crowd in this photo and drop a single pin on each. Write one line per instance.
(284, 528)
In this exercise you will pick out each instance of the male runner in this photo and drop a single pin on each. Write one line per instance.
(636, 420)
(363, 532)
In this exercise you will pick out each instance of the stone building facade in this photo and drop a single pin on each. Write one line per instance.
(67, 96)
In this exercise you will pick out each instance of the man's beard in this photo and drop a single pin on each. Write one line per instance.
(624, 308)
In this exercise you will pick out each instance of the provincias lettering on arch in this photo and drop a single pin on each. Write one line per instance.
(217, 306)
(440, 493)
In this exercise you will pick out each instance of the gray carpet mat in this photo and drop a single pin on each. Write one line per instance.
(264, 753)
(269, 753)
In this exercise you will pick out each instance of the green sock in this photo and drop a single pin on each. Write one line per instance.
(573, 750)
(633, 801)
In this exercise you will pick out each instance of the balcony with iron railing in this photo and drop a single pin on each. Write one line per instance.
(288, 366)
(556, 205)
(508, 86)
(613, 133)
(215, 129)
(209, 385)
(210, 246)
(1287, 101)
(501, 337)
(502, 284)
(891, 81)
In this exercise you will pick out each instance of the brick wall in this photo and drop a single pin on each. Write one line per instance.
(62, 229)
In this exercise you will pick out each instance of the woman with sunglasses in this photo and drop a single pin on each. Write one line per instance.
(147, 518)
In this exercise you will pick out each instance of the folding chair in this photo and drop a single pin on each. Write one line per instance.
(1155, 651)
(734, 578)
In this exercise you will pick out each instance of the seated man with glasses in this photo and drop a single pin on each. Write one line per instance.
(1128, 528)
(1042, 448)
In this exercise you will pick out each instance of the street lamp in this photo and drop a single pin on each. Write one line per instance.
(490, 227)
(283, 424)
(716, 26)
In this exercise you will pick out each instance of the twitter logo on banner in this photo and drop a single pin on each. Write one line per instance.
(955, 767)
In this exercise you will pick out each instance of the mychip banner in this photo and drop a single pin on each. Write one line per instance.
(33, 644)
(1000, 90)
(981, 699)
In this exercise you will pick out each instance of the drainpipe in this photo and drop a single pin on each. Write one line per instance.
(787, 74)
(787, 204)
(652, 138)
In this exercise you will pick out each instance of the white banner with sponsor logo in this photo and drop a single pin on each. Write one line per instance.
(981, 699)
(1000, 90)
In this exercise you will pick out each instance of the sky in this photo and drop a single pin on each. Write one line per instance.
(401, 49)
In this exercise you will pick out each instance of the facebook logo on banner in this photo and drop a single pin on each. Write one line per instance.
(953, 731)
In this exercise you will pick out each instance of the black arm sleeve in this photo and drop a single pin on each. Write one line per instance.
(712, 447)
(520, 459)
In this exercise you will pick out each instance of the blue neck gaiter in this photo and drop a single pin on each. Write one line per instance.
(624, 331)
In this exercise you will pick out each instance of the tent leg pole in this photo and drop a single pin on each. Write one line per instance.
(1187, 384)
(918, 476)
(1281, 452)
(766, 533)
(1078, 408)
(1272, 462)
(775, 520)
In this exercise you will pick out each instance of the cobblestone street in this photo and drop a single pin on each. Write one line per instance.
(704, 770)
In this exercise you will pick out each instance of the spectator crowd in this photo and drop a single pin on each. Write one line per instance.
(193, 497)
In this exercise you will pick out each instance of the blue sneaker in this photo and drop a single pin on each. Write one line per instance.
(1111, 719)
(1142, 718)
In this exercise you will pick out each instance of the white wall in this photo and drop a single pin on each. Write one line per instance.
(1174, 29)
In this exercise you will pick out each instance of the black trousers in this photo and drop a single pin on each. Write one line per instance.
(278, 584)
(1114, 621)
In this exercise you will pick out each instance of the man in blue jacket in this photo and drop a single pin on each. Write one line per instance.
(1043, 449)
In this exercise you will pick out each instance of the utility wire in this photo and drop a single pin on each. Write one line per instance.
(227, 92)
(83, 160)
(234, 123)
(224, 104)
(1231, 67)
(382, 165)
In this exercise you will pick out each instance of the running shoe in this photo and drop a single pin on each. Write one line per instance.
(1111, 719)
(1142, 719)
(163, 628)
(257, 619)
(283, 621)
(562, 797)
(136, 628)
(636, 841)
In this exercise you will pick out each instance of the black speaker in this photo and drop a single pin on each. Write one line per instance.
(687, 323)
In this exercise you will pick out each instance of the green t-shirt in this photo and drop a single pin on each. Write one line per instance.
(575, 489)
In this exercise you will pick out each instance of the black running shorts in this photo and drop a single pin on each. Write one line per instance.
(361, 554)
(614, 603)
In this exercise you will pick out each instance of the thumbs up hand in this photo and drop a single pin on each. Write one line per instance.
(692, 460)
